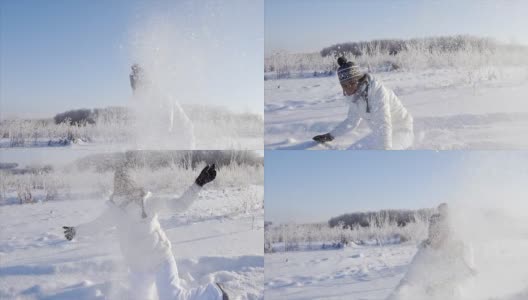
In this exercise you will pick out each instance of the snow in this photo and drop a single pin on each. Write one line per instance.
(487, 214)
(452, 108)
(219, 239)
(372, 272)
(349, 273)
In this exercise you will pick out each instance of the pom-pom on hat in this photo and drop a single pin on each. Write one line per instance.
(347, 70)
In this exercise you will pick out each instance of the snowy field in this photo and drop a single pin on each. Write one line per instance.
(349, 273)
(453, 108)
(219, 239)
(372, 272)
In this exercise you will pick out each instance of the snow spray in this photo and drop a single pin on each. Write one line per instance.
(172, 58)
(490, 213)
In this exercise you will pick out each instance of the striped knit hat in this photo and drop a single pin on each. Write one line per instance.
(347, 70)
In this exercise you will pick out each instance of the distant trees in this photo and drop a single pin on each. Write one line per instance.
(379, 228)
(391, 54)
(363, 48)
(112, 115)
(77, 117)
(282, 63)
(117, 125)
(394, 46)
(366, 219)
(82, 117)
(7, 166)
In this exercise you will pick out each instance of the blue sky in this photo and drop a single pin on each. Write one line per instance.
(310, 25)
(59, 55)
(312, 186)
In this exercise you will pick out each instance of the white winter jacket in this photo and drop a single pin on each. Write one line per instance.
(143, 243)
(384, 116)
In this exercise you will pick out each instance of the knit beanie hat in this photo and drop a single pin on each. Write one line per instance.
(126, 190)
(347, 70)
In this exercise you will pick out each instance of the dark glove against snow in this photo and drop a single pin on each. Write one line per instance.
(224, 294)
(69, 232)
(323, 138)
(208, 174)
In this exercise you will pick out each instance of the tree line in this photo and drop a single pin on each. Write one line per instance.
(394, 46)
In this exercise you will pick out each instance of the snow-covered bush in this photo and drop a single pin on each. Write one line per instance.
(117, 125)
(93, 176)
(21, 132)
(148, 159)
(178, 178)
(23, 189)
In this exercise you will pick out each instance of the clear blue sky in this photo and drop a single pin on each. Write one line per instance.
(66, 54)
(312, 186)
(310, 25)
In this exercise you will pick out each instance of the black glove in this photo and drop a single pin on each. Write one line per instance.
(224, 294)
(323, 138)
(69, 232)
(208, 174)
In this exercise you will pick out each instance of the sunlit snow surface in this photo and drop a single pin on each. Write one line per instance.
(373, 272)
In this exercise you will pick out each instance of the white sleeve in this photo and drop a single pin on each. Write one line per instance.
(381, 123)
(103, 222)
(468, 256)
(174, 204)
(413, 270)
(350, 123)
